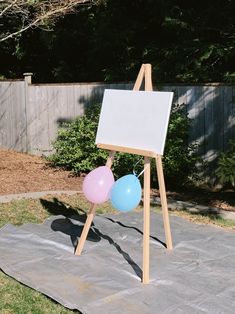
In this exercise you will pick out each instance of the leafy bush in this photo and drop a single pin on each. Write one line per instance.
(180, 158)
(75, 149)
(226, 166)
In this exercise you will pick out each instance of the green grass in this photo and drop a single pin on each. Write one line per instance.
(16, 298)
(207, 218)
(37, 210)
(19, 212)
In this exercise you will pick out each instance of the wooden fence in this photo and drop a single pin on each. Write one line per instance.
(30, 114)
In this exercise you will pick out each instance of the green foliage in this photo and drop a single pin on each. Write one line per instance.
(75, 149)
(179, 157)
(226, 166)
(126, 164)
(110, 40)
(75, 144)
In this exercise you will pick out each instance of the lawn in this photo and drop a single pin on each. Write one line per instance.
(17, 298)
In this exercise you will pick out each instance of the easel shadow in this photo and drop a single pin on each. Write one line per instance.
(66, 226)
(138, 230)
(125, 255)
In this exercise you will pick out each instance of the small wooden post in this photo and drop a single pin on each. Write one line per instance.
(28, 77)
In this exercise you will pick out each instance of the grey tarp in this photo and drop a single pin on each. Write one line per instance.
(197, 276)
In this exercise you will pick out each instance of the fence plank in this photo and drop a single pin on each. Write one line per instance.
(233, 114)
(209, 150)
(196, 107)
(218, 113)
(12, 115)
(229, 119)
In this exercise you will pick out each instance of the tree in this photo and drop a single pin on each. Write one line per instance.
(21, 15)
(185, 41)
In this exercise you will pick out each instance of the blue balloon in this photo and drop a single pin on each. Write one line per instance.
(126, 193)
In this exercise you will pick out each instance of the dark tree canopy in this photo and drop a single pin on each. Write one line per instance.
(185, 41)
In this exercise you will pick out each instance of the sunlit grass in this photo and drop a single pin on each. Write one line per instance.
(16, 298)
(206, 218)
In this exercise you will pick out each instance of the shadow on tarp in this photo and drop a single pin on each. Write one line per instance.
(73, 230)
(138, 230)
(65, 225)
(57, 207)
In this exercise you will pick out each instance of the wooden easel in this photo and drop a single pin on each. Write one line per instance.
(144, 73)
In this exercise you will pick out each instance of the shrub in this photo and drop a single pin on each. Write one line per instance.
(225, 170)
(75, 149)
(180, 158)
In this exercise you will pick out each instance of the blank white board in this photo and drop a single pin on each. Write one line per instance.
(135, 119)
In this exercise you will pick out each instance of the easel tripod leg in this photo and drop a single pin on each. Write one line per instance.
(165, 213)
(146, 228)
(85, 230)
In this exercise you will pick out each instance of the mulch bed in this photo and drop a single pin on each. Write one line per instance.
(22, 173)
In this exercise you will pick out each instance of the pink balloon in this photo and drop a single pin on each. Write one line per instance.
(97, 185)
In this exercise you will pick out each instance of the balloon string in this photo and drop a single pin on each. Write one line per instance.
(142, 172)
(135, 166)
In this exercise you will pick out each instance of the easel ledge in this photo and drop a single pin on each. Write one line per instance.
(128, 150)
(144, 73)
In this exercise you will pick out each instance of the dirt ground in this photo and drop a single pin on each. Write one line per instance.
(21, 173)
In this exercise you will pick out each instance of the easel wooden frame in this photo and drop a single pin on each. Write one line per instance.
(144, 74)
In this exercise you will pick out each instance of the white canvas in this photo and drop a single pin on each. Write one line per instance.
(135, 119)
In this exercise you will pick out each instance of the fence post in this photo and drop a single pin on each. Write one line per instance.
(28, 77)
(27, 82)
